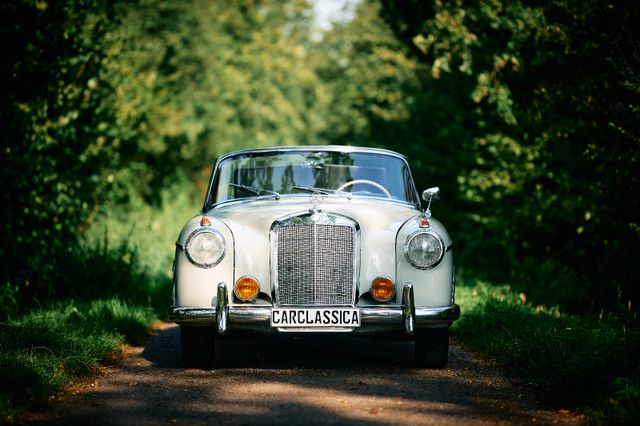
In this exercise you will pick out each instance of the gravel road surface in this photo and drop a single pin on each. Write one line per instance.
(328, 380)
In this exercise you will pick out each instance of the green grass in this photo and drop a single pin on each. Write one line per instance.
(125, 262)
(149, 231)
(121, 282)
(45, 350)
(587, 362)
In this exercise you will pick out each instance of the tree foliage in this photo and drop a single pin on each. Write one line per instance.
(58, 143)
(109, 99)
(200, 78)
(554, 135)
(525, 113)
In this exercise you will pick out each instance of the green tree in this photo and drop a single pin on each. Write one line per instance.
(58, 147)
(380, 97)
(555, 139)
(200, 78)
(107, 102)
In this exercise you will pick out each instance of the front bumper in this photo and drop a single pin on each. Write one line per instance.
(374, 319)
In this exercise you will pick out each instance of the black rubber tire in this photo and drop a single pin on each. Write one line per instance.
(432, 347)
(198, 346)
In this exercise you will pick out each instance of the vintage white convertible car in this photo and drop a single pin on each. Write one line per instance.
(314, 239)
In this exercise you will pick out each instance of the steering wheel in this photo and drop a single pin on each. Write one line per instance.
(366, 181)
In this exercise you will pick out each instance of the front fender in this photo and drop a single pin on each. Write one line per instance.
(196, 286)
(433, 287)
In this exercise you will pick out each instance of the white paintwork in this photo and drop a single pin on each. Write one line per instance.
(432, 287)
(245, 226)
(195, 286)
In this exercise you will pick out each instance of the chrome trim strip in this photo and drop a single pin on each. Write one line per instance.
(418, 203)
(408, 309)
(193, 316)
(330, 148)
(426, 315)
(317, 330)
(284, 197)
(453, 284)
(255, 318)
(258, 318)
(222, 309)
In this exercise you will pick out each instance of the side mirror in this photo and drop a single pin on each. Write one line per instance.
(430, 193)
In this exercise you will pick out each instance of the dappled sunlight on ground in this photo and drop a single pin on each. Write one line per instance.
(326, 380)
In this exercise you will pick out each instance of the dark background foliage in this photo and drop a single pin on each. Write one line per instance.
(525, 113)
(56, 115)
(548, 160)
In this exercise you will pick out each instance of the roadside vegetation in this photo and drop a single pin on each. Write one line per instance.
(588, 362)
(117, 286)
(524, 113)
(48, 348)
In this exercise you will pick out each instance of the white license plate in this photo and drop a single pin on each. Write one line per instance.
(315, 317)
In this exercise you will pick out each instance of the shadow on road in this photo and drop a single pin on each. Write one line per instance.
(285, 380)
(317, 351)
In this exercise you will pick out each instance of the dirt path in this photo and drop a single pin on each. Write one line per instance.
(342, 380)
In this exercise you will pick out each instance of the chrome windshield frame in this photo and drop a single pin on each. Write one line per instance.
(208, 205)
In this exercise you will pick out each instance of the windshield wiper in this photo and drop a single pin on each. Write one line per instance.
(257, 191)
(325, 191)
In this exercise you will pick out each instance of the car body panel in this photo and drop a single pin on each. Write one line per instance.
(423, 298)
(380, 222)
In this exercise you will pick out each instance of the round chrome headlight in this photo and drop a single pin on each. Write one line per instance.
(205, 247)
(424, 249)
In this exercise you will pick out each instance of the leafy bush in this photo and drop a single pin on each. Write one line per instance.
(541, 156)
(90, 271)
(59, 149)
(621, 408)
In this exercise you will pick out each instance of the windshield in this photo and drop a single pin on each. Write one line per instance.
(273, 173)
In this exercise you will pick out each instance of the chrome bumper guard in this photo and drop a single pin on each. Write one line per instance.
(374, 319)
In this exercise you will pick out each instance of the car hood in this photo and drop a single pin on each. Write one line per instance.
(249, 222)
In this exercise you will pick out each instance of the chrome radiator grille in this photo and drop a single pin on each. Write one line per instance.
(315, 264)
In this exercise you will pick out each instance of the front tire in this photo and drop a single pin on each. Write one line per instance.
(198, 346)
(432, 347)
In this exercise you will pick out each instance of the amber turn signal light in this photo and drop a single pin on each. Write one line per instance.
(246, 288)
(383, 289)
